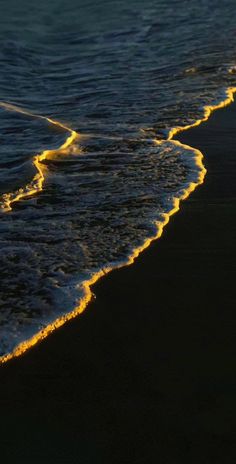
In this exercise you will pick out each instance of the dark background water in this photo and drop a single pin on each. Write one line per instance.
(120, 73)
(116, 66)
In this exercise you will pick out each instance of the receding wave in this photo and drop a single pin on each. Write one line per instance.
(53, 251)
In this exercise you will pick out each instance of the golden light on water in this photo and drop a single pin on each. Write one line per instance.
(207, 110)
(43, 333)
(36, 185)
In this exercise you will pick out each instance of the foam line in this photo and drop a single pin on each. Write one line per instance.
(36, 185)
(207, 110)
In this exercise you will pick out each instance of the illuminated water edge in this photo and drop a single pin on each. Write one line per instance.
(87, 293)
(36, 185)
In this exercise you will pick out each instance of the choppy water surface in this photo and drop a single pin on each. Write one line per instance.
(120, 74)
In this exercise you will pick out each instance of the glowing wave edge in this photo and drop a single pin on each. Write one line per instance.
(37, 185)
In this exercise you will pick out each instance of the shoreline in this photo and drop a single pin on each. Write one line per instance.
(60, 321)
(147, 374)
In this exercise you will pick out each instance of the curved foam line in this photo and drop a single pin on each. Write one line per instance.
(36, 185)
(207, 110)
(24, 346)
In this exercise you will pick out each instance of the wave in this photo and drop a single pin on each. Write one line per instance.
(195, 157)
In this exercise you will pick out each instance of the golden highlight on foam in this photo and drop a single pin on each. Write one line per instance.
(207, 110)
(36, 185)
(24, 346)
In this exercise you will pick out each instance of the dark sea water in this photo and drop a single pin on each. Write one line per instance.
(120, 74)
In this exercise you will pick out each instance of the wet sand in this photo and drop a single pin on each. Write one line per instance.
(147, 373)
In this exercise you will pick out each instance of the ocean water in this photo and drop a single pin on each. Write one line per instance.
(116, 76)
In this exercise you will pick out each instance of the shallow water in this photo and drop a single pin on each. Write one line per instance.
(120, 75)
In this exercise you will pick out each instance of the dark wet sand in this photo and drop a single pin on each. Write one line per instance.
(148, 373)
